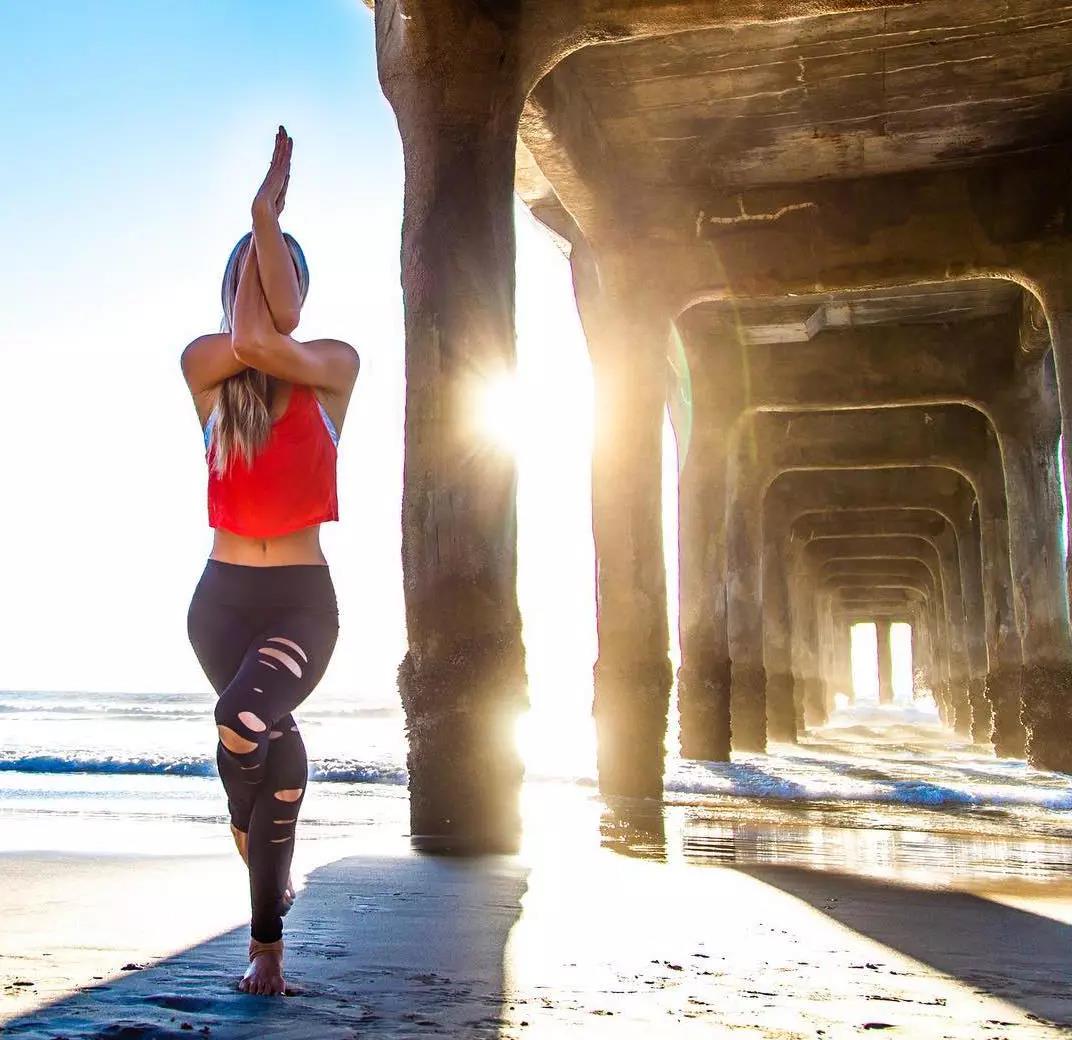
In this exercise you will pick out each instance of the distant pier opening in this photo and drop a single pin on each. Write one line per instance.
(865, 661)
(903, 665)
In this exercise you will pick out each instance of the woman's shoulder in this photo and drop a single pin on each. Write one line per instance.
(200, 344)
(344, 357)
(211, 337)
(206, 361)
(335, 345)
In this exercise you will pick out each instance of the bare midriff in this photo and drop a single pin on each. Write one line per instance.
(297, 547)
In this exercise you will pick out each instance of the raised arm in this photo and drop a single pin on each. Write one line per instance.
(327, 364)
(278, 277)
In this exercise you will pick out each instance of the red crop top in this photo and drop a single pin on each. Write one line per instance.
(291, 481)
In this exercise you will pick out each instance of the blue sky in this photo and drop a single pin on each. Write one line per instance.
(136, 136)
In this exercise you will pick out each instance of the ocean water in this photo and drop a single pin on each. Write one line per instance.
(882, 786)
(173, 734)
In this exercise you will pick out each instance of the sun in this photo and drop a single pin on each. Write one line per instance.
(499, 408)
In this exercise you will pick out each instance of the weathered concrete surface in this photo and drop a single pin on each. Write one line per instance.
(744, 602)
(574, 178)
(704, 675)
(865, 179)
(784, 713)
(920, 559)
(960, 438)
(923, 491)
(869, 563)
(766, 444)
(885, 661)
(995, 363)
(627, 335)
(968, 351)
(463, 678)
(1029, 424)
(938, 532)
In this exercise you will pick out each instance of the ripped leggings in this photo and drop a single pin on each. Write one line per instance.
(264, 636)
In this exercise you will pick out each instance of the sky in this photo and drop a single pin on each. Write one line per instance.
(136, 135)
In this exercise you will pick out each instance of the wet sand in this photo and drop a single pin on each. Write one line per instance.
(786, 916)
(617, 945)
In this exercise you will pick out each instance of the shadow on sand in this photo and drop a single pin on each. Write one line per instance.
(376, 947)
(998, 950)
(410, 946)
(994, 949)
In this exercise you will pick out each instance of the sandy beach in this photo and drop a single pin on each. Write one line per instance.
(607, 926)
(679, 394)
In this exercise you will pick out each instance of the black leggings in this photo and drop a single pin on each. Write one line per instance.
(264, 636)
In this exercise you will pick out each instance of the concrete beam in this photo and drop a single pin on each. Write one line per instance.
(967, 362)
(995, 219)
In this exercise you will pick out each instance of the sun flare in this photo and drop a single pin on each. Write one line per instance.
(500, 410)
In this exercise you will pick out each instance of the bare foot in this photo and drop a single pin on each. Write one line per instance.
(241, 840)
(264, 976)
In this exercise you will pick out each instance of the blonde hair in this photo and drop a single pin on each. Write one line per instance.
(243, 410)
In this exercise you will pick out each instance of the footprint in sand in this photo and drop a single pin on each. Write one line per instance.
(136, 1031)
(178, 1002)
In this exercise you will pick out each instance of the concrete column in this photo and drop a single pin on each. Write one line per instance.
(934, 668)
(922, 666)
(885, 661)
(843, 638)
(969, 660)
(744, 598)
(911, 647)
(808, 692)
(940, 657)
(627, 333)
(828, 641)
(1028, 421)
(704, 676)
(966, 528)
(1004, 678)
(782, 723)
(1003, 681)
(457, 95)
(1054, 292)
(794, 564)
(952, 606)
(930, 654)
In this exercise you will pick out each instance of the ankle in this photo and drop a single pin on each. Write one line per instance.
(257, 949)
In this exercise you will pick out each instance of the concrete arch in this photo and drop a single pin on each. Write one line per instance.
(941, 555)
(946, 437)
(862, 496)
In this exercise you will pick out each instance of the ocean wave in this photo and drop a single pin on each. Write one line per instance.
(328, 771)
(106, 764)
(745, 780)
(148, 711)
(365, 773)
(787, 781)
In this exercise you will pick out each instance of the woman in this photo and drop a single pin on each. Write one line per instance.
(263, 619)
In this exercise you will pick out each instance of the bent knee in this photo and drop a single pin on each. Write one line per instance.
(241, 731)
(235, 742)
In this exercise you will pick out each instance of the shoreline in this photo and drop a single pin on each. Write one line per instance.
(620, 938)
(946, 915)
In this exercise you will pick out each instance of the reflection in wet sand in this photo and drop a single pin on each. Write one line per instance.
(884, 793)
(880, 876)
